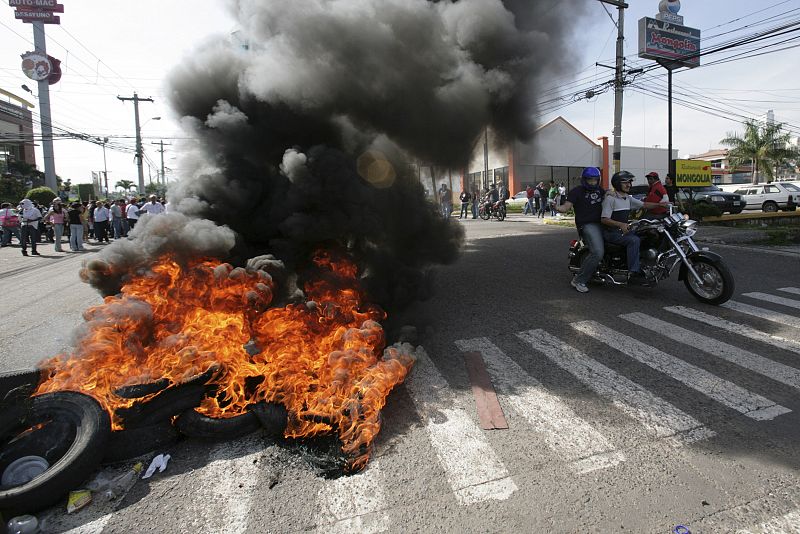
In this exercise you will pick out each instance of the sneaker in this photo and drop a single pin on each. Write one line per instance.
(34, 253)
(581, 288)
(24, 252)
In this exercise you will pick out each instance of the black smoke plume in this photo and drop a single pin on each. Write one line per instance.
(304, 126)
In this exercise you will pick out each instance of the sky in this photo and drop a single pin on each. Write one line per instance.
(112, 48)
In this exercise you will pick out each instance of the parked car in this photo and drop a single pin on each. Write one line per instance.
(770, 197)
(727, 202)
(518, 200)
(639, 191)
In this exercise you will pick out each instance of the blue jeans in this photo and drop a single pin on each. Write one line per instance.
(475, 209)
(593, 238)
(116, 223)
(631, 242)
(464, 210)
(76, 237)
(529, 207)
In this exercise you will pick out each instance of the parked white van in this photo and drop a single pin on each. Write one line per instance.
(770, 197)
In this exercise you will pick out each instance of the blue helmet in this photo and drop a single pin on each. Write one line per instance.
(590, 173)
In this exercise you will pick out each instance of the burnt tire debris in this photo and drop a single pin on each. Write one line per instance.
(64, 417)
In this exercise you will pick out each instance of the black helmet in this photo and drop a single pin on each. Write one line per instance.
(619, 177)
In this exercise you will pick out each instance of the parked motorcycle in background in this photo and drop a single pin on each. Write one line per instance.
(667, 244)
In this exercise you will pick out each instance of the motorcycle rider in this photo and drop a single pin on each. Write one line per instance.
(492, 197)
(587, 199)
(617, 207)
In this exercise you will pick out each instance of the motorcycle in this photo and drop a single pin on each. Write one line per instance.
(666, 244)
(489, 209)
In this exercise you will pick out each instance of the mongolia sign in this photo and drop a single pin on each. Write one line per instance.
(692, 173)
(666, 41)
(37, 10)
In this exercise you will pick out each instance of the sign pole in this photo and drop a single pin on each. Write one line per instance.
(44, 112)
(669, 121)
(618, 88)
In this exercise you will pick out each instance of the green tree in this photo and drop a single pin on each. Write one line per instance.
(125, 184)
(12, 188)
(43, 195)
(762, 146)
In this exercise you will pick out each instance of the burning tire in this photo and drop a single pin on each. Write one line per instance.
(196, 425)
(67, 429)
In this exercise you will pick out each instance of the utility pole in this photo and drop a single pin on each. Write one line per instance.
(139, 151)
(163, 177)
(105, 165)
(50, 181)
(618, 81)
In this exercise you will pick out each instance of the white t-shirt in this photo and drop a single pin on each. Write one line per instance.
(31, 213)
(130, 211)
(100, 214)
(153, 208)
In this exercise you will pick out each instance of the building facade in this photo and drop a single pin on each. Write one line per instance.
(16, 130)
(557, 152)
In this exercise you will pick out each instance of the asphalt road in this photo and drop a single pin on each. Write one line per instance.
(625, 411)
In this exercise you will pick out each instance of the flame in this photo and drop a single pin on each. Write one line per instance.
(324, 360)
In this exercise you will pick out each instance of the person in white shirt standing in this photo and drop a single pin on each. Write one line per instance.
(154, 207)
(101, 216)
(132, 213)
(30, 226)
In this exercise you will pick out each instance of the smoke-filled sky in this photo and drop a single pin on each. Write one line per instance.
(304, 138)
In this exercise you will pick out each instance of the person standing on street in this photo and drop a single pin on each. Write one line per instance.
(464, 198)
(542, 195)
(57, 217)
(445, 201)
(476, 198)
(154, 207)
(75, 227)
(30, 226)
(10, 222)
(587, 199)
(552, 197)
(669, 186)
(529, 192)
(101, 216)
(132, 213)
(116, 219)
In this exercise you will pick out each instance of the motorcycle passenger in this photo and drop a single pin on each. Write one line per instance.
(587, 199)
(617, 207)
(658, 194)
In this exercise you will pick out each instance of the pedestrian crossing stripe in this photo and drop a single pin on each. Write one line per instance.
(783, 301)
(753, 362)
(762, 313)
(723, 391)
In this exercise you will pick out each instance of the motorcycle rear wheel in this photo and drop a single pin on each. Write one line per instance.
(501, 214)
(717, 286)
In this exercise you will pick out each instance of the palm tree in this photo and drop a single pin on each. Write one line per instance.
(763, 146)
(125, 184)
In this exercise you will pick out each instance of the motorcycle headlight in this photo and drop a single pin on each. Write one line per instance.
(689, 227)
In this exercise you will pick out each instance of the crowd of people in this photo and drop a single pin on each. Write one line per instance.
(100, 220)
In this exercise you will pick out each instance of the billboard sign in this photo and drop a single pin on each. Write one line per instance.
(692, 173)
(668, 11)
(662, 40)
(36, 66)
(37, 10)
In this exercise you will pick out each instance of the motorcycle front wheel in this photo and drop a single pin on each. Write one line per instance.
(717, 281)
(485, 215)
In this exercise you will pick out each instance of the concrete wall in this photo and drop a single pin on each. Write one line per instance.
(641, 160)
(559, 145)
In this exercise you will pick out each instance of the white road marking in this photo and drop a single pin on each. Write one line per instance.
(723, 391)
(354, 503)
(783, 301)
(786, 524)
(736, 328)
(654, 413)
(471, 466)
(792, 290)
(562, 430)
(743, 358)
(761, 313)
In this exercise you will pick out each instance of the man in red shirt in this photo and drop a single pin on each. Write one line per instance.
(657, 194)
